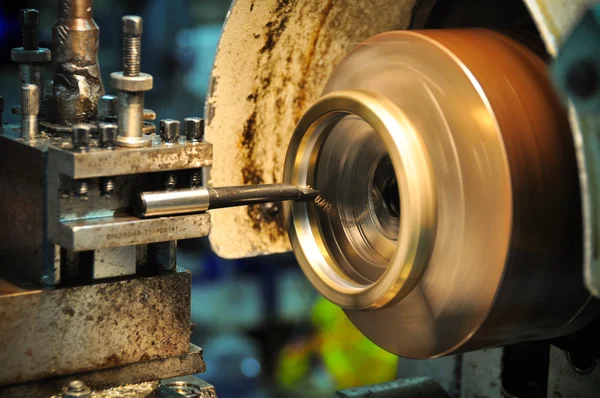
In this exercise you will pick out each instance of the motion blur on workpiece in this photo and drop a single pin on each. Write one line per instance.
(299, 198)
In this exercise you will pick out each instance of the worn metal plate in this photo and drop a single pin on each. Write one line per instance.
(122, 376)
(115, 261)
(272, 62)
(103, 163)
(47, 333)
(127, 230)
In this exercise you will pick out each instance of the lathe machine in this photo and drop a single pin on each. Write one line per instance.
(433, 165)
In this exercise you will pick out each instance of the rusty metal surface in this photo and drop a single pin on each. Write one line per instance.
(100, 162)
(272, 62)
(47, 333)
(128, 230)
(77, 80)
(119, 379)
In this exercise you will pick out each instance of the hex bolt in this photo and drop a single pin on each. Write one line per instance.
(77, 389)
(107, 136)
(108, 108)
(30, 109)
(194, 128)
(194, 131)
(30, 20)
(169, 130)
(81, 137)
(131, 84)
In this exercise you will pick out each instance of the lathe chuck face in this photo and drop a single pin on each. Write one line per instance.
(449, 217)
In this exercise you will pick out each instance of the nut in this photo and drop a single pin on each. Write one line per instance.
(20, 55)
(132, 25)
(142, 82)
(169, 130)
(194, 128)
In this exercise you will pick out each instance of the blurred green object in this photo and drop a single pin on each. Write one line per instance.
(349, 358)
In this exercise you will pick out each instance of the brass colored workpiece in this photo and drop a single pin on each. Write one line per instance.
(450, 216)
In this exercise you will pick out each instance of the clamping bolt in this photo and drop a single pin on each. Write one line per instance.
(131, 85)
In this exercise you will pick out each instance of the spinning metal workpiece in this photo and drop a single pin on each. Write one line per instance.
(450, 216)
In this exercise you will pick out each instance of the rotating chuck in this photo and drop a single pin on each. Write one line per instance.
(131, 85)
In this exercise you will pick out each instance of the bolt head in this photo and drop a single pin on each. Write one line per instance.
(169, 130)
(107, 134)
(132, 25)
(29, 17)
(107, 106)
(194, 128)
(76, 385)
(81, 137)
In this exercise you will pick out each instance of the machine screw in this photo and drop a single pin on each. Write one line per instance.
(30, 20)
(196, 178)
(169, 130)
(170, 182)
(107, 136)
(132, 44)
(77, 389)
(194, 128)
(30, 109)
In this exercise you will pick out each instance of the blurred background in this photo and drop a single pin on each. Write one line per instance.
(265, 332)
